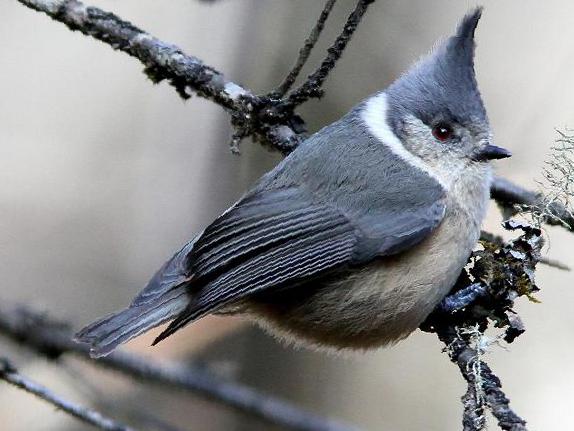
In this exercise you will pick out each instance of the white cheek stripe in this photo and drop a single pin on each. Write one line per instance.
(375, 117)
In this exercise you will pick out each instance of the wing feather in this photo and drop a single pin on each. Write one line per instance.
(258, 239)
(301, 241)
(279, 237)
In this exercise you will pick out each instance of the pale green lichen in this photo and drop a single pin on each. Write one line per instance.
(556, 186)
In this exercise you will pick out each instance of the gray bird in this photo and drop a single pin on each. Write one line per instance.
(355, 237)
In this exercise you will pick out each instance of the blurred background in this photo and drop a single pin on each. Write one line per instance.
(104, 175)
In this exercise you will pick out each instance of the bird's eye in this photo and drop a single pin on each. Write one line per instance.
(442, 132)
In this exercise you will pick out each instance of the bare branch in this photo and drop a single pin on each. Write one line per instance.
(162, 60)
(270, 122)
(508, 193)
(463, 298)
(131, 412)
(52, 339)
(305, 51)
(311, 88)
(9, 374)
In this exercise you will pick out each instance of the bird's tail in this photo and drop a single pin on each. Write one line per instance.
(106, 334)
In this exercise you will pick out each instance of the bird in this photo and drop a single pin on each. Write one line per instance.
(353, 239)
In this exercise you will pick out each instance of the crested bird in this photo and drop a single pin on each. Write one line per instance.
(354, 238)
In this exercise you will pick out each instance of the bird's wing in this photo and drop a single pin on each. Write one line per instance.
(168, 277)
(282, 236)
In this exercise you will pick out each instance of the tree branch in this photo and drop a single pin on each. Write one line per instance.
(53, 339)
(484, 388)
(162, 61)
(9, 374)
(473, 418)
(130, 411)
(305, 51)
(269, 120)
(501, 273)
(311, 88)
(508, 195)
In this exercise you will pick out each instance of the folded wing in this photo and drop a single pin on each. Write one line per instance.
(271, 239)
(267, 240)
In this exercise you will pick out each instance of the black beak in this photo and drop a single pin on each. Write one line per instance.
(491, 152)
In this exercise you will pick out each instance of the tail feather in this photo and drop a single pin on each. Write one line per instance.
(187, 316)
(106, 334)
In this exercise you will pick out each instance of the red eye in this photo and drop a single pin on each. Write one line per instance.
(442, 132)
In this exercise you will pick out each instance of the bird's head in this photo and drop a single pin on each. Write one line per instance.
(435, 109)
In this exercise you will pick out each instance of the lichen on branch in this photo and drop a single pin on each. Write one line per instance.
(556, 186)
(498, 273)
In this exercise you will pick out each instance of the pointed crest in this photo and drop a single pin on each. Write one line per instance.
(444, 82)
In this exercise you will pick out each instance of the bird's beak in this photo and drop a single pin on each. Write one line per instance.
(491, 152)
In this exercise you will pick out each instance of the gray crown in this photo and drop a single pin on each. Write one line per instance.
(443, 84)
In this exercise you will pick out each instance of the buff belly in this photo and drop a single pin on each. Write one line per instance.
(377, 304)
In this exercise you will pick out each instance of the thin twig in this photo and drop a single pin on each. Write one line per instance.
(51, 339)
(555, 263)
(305, 51)
(9, 374)
(132, 413)
(311, 88)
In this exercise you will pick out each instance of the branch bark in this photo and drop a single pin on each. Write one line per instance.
(10, 374)
(312, 87)
(508, 195)
(501, 272)
(484, 387)
(269, 120)
(53, 339)
(305, 51)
